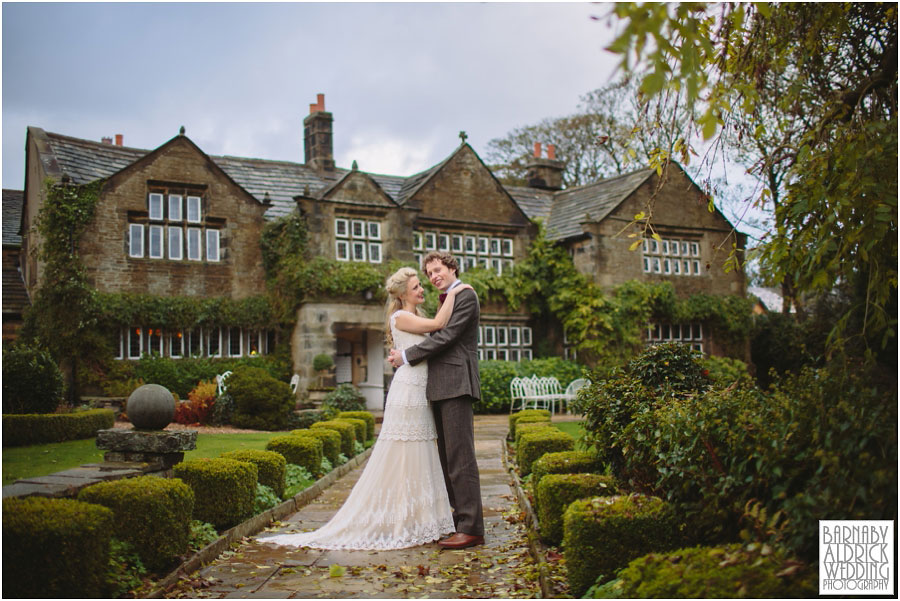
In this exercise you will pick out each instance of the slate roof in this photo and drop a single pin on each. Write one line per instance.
(85, 161)
(12, 217)
(280, 182)
(536, 203)
(571, 207)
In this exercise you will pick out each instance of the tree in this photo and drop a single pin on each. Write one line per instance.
(815, 87)
(613, 129)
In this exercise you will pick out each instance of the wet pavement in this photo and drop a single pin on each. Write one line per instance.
(502, 567)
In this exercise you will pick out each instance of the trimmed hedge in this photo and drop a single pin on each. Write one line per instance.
(565, 462)
(531, 427)
(346, 430)
(32, 382)
(152, 513)
(40, 428)
(555, 492)
(515, 417)
(534, 445)
(270, 466)
(305, 451)
(601, 535)
(359, 425)
(331, 441)
(366, 417)
(55, 548)
(730, 571)
(224, 489)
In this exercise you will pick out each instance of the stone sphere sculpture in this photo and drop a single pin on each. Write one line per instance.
(150, 407)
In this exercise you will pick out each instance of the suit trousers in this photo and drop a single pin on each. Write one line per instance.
(455, 424)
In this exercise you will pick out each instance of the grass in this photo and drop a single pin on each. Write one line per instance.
(44, 459)
(574, 429)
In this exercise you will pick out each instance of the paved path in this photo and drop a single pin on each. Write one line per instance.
(501, 567)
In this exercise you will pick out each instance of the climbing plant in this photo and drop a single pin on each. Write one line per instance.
(62, 313)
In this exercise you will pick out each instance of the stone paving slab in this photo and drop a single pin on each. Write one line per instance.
(502, 567)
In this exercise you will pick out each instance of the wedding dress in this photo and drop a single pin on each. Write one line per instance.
(400, 499)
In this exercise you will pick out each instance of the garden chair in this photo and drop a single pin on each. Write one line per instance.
(536, 396)
(572, 390)
(516, 394)
(295, 382)
(552, 391)
(221, 387)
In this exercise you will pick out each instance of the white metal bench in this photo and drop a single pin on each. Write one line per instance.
(221, 386)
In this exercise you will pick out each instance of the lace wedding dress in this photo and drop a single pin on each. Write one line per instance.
(400, 500)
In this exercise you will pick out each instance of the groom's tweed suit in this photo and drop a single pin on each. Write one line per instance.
(453, 385)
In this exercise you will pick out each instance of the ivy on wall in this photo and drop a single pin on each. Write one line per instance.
(183, 312)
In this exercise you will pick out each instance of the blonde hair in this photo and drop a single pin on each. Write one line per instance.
(396, 286)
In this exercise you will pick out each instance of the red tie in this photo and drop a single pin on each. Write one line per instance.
(442, 297)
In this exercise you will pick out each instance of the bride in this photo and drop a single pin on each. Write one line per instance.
(400, 500)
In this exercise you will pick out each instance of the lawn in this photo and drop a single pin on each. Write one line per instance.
(573, 428)
(40, 460)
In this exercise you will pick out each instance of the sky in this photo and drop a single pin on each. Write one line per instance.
(401, 79)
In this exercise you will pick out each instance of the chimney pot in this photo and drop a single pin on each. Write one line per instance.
(551, 151)
(119, 139)
(106, 140)
(313, 108)
(320, 101)
(537, 150)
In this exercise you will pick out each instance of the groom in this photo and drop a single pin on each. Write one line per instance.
(453, 385)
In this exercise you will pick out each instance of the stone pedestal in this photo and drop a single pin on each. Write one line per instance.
(158, 448)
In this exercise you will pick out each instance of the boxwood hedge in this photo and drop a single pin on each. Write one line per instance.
(305, 451)
(565, 462)
(224, 489)
(269, 464)
(555, 492)
(331, 441)
(366, 416)
(533, 445)
(346, 430)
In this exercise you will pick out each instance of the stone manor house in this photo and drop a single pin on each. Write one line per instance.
(176, 221)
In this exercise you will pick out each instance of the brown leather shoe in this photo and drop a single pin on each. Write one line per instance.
(461, 540)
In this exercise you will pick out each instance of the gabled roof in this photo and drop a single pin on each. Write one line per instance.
(86, 161)
(331, 193)
(572, 207)
(414, 182)
(12, 216)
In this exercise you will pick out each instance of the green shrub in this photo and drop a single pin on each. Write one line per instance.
(261, 402)
(32, 382)
(367, 417)
(533, 445)
(565, 462)
(347, 432)
(269, 466)
(265, 499)
(532, 427)
(124, 569)
(345, 397)
(555, 492)
(223, 410)
(724, 371)
(515, 417)
(601, 535)
(732, 571)
(152, 514)
(658, 376)
(817, 445)
(331, 441)
(305, 451)
(359, 431)
(495, 378)
(202, 534)
(28, 429)
(307, 417)
(296, 479)
(224, 489)
(181, 375)
(55, 548)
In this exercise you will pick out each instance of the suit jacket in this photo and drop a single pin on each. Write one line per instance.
(452, 353)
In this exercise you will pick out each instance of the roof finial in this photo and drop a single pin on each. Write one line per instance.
(463, 136)
(181, 131)
(354, 166)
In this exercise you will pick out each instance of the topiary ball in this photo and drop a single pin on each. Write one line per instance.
(150, 407)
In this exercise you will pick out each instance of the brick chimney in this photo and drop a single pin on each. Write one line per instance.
(318, 148)
(106, 140)
(119, 139)
(545, 173)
